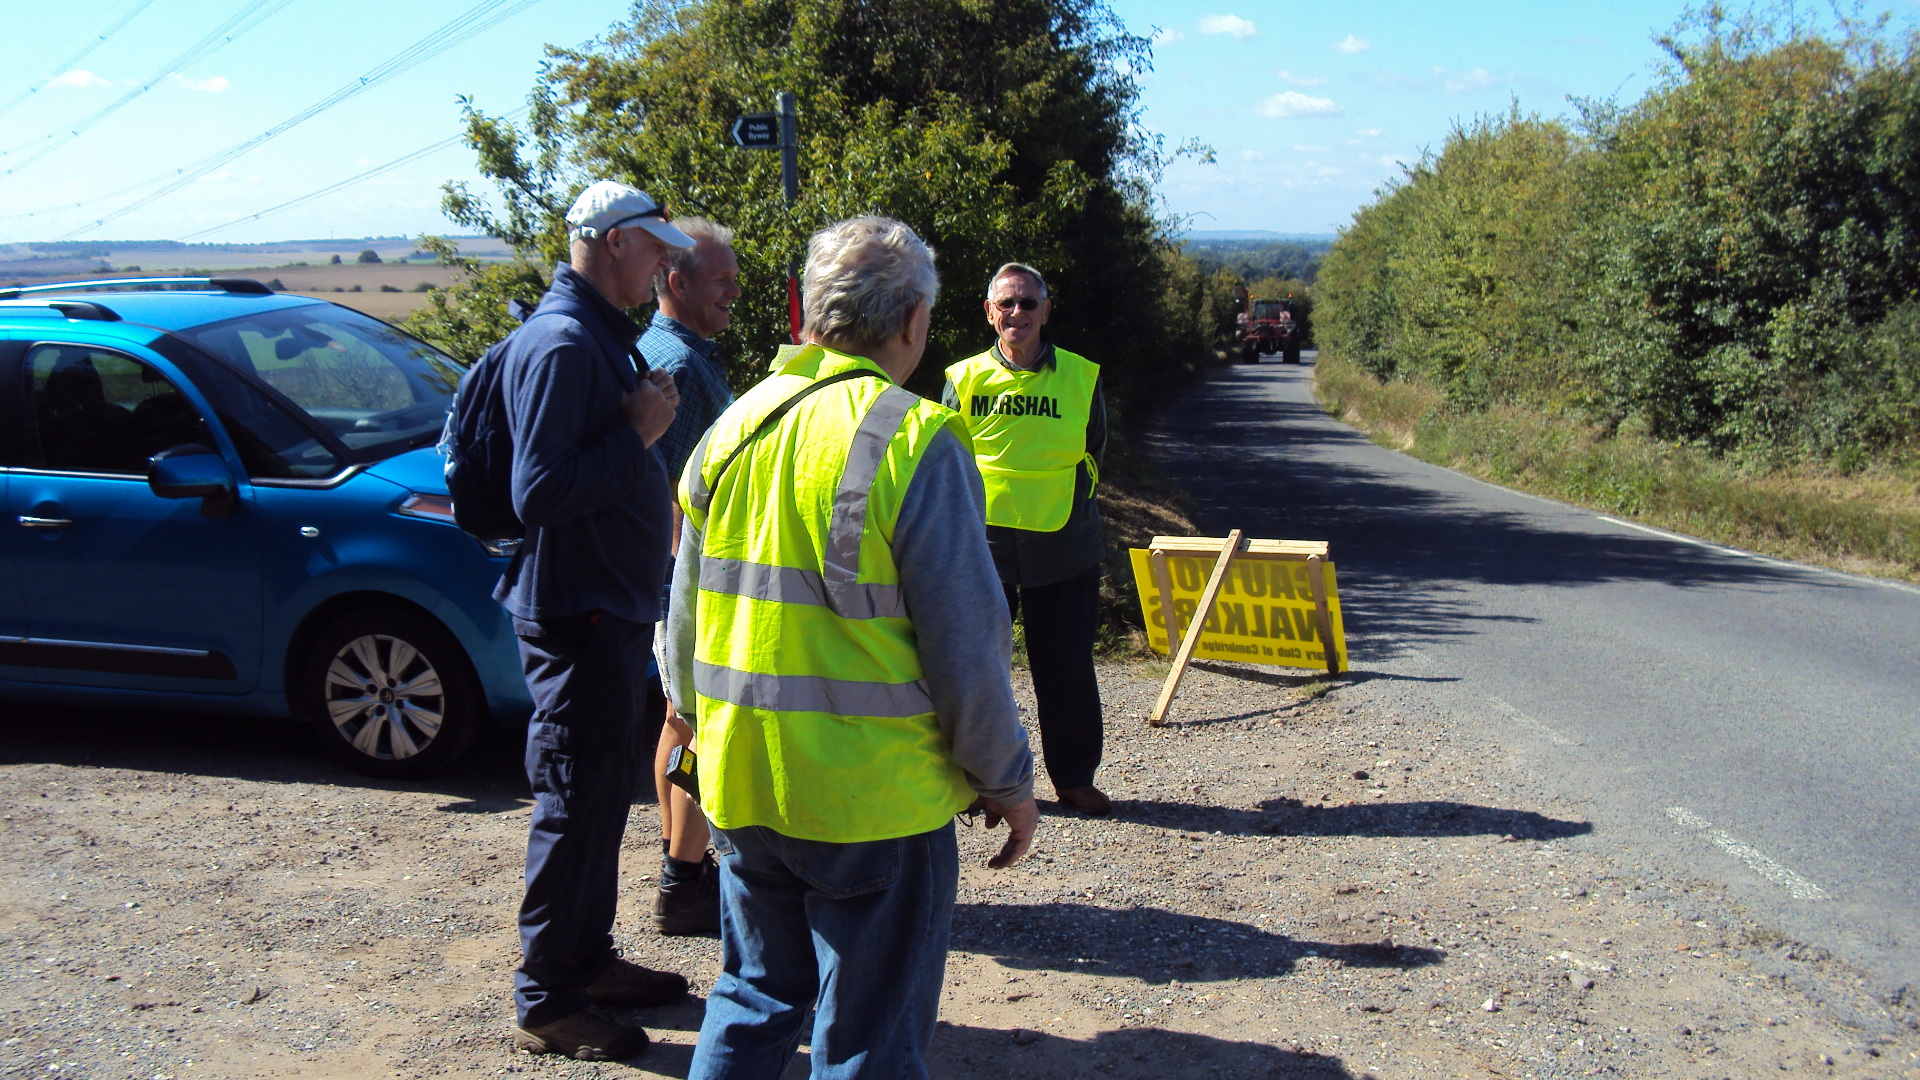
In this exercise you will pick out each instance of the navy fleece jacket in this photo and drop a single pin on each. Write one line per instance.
(593, 496)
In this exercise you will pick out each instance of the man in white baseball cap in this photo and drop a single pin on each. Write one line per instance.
(584, 589)
(608, 204)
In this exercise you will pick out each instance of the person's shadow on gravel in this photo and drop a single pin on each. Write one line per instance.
(1291, 817)
(975, 1053)
(1154, 945)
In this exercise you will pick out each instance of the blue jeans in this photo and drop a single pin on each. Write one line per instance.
(856, 932)
(587, 677)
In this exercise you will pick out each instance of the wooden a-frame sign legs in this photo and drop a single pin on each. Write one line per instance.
(1234, 546)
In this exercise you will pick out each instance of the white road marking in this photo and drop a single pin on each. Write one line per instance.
(1739, 554)
(1529, 722)
(1799, 887)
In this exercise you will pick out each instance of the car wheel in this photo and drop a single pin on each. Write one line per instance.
(390, 692)
(1250, 355)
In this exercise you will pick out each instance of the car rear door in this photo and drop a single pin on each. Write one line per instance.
(14, 664)
(122, 588)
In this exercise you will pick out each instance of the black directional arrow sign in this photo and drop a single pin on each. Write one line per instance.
(757, 131)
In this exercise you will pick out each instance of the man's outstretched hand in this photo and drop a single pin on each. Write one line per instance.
(1021, 818)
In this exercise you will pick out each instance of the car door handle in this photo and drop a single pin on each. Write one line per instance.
(45, 523)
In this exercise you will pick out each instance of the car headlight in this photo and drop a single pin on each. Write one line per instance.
(440, 508)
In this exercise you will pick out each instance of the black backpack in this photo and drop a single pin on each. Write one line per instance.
(478, 445)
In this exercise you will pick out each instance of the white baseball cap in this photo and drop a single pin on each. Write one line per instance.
(608, 204)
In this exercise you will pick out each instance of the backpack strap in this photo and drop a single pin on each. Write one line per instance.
(782, 410)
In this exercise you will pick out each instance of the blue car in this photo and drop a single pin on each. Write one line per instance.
(220, 498)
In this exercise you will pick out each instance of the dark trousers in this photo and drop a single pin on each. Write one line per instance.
(1060, 620)
(587, 675)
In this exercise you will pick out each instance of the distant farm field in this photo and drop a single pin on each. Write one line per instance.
(328, 282)
(337, 283)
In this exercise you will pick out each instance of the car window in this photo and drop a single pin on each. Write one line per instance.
(376, 390)
(99, 411)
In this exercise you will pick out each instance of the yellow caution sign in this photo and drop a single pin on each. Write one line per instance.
(1265, 612)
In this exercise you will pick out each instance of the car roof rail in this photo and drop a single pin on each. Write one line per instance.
(244, 286)
(72, 309)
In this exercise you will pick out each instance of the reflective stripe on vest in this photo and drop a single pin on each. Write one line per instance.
(1029, 432)
(838, 587)
(813, 715)
(811, 693)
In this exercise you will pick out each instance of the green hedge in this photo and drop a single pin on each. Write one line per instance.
(1732, 263)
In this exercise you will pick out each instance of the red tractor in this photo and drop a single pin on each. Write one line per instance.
(1267, 326)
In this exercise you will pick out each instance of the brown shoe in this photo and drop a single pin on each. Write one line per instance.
(627, 983)
(1088, 800)
(590, 1035)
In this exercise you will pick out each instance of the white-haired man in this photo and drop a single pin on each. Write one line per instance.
(849, 689)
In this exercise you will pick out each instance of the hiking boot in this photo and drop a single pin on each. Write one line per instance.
(589, 1035)
(1088, 800)
(627, 983)
(690, 907)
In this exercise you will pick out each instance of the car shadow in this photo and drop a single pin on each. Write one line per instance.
(489, 778)
(1291, 817)
(1154, 945)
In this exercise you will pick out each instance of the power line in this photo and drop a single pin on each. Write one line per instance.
(481, 17)
(250, 15)
(68, 64)
(407, 159)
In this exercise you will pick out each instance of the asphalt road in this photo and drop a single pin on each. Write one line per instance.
(1723, 716)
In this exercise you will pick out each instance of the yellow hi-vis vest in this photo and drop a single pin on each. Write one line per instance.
(1029, 432)
(814, 717)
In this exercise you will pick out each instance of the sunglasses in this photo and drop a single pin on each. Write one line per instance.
(1024, 303)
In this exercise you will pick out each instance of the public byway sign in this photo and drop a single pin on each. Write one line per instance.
(757, 131)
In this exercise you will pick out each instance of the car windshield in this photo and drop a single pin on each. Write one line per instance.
(377, 390)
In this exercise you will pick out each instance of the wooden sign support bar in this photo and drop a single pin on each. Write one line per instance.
(1227, 549)
(1192, 639)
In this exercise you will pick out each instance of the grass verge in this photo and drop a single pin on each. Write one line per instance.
(1137, 503)
(1867, 523)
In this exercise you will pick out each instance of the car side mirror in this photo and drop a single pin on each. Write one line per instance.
(193, 471)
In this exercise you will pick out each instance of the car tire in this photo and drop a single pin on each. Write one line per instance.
(1292, 354)
(390, 692)
(1250, 354)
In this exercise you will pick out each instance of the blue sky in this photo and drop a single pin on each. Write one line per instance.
(1309, 107)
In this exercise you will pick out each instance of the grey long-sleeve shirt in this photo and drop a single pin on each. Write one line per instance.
(953, 597)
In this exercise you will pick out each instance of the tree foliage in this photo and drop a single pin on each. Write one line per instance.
(1733, 261)
(1002, 131)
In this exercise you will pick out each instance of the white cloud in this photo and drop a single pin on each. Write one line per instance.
(1252, 155)
(78, 77)
(1305, 149)
(1369, 133)
(1295, 103)
(1352, 44)
(1227, 24)
(1459, 82)
(1388, 160)
(1291, 79)
(216, 85)
(1167, 35)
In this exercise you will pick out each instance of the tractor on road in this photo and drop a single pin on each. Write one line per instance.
(1267, 327)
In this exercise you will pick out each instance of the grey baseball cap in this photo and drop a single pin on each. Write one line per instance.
(608, 204)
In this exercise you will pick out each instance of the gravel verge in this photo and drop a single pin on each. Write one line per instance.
(1299, 879)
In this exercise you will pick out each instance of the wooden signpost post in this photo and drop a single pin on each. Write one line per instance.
(1225, 551)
